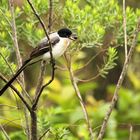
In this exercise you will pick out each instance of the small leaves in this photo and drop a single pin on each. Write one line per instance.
(109, 62)
(4, 68)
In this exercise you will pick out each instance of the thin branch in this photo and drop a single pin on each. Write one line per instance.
(41, 78)
(42, 88)
(124, 28)
(88, 80)
(15, 41)
(43, 26)
(52, 59)
(44, 134)
(5, 133)
(19, 60)
(130, 131)
(37, 97)
(50, 15)
(10, 121)
(17, 92)
(77, 91)
(7, 63)
(91, 59)
(120, 81)
(5, 18)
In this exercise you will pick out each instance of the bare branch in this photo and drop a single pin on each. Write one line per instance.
(42, 88)
(88, 80)
(50, 15)
(19, 60)
(124, 28)
(17, 92)
(15, 41)
(7, 63)
(41, 78)
(120, 81)
(130, 131)
(52, 59)
(44, 133)
(5, 133)
(39, 90)
(77, 91)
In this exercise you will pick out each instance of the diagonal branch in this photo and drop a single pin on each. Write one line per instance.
(77, 91)
(120, 81)
(17, 92)
(51, 60)
(124, 28)
(19, 59)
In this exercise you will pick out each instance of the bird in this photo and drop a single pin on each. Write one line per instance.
(59, 40)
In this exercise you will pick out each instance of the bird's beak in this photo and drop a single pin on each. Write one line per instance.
(73, 37)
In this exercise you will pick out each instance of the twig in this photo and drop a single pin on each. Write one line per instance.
(5, 133)
(40, 79)
(7, 63)
(88, 80)
(44, 134)
(77, 91)
(120, 81)
(124, 28)
(17, 92)
(130, 131)
(91, 59)
(15, 41)
(43, 26)
(42, 88)
(52, 59)
(37, 97)
(50, 15)
(19, 60)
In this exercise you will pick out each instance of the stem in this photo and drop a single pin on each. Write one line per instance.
(33, 125)
(77, 91)
(124, 28)
(120, 81)
(5, 133)
(50, 15)
(19, 60)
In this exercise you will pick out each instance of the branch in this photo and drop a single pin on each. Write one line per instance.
(130, 131)
(44, 134)
(124, 28)
(120, 81)
(39, 90)
(15, 41)
(5, 133)
(19, 60)
(77, 91)
(42, 88)
(7, 63)
(41, 78)
(17, 92)
(52, 59)
(43, 26)
(50, 15)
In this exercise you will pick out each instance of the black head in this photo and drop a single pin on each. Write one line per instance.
(65, 32)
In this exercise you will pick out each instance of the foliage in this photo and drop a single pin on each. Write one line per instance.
(108, 62)
(59, 109)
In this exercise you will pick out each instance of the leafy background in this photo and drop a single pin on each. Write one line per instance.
(99, 25)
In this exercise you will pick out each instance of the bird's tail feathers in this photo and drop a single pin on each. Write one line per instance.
(14, 77)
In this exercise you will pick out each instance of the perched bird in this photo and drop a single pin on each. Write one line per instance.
(59, 41)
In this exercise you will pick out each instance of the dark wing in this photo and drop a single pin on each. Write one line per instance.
(43, 47)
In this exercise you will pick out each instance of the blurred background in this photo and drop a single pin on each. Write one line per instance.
(99, 25)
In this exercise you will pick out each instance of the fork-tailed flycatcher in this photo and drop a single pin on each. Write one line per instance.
(59, 40)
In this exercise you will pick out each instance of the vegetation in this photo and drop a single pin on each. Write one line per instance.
(96, 60)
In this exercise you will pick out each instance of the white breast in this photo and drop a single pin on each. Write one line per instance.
(58, 49)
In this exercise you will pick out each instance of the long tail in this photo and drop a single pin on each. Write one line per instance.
(14, 77)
